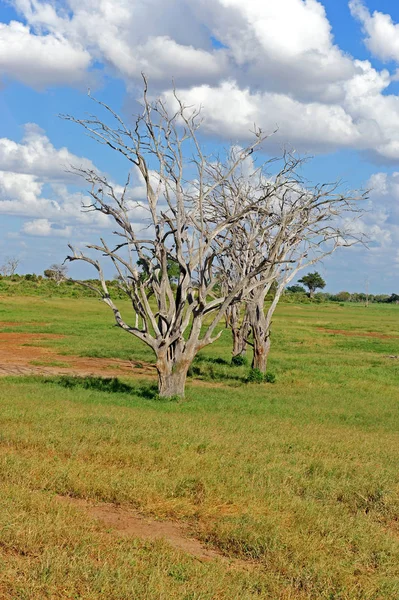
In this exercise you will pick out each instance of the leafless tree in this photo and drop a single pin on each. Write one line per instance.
(182, 188)
(56, 272)
(293, 227)
(10, 266)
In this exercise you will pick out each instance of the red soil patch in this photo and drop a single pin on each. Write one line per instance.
(129, 523)
(19, 350)
(372, 334)
(20, 353)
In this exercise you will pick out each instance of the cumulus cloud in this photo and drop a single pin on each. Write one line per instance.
(36, 155)
(273, 63)
(378, 264)
(23, 186)
(311, 125)
(161, 38)
(40, 60)
(34, 185)
(45, 228)
(382, 33)
(284, 46)
(380, 223)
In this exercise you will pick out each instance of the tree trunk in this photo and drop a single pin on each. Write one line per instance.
(239, 345)
(240, 335)
(239, 329)
(172, 376)
(260, 327)
(261, 341)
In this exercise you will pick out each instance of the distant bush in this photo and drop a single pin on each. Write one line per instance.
(296, 289)
(34, 285)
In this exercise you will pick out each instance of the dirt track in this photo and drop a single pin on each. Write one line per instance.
(128, 522)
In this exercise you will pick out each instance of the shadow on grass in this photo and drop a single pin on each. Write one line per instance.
(210, 368)
(212, 360)
(109, 385)
(218, 369)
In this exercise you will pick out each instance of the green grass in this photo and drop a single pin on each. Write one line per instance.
(49, 363)
(299, 478)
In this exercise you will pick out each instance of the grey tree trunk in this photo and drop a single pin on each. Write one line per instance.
(261, 320)
(240, 329)
(240, 336)
(260, 334)
(172, 376)
(261, 342)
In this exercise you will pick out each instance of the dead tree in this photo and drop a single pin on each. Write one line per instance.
(57, 273)
(10, 266)
(182, 188)
(293, 227)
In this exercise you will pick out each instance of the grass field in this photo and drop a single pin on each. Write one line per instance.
(295, 484)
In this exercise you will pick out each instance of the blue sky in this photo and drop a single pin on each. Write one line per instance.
(326, 72)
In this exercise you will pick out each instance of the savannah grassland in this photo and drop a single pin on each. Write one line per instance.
(295, 483)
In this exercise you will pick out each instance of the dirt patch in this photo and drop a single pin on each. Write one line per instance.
(127, 522)
(24, 354)
(372, 334)
(19, 350)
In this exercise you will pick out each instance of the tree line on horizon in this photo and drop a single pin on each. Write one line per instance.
(293, 293)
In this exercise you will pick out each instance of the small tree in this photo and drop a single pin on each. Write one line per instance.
(10, 266)
(343, 296)
(56, 272)
(313, 281)
(181, 201)
(296, 289)
(393, 299)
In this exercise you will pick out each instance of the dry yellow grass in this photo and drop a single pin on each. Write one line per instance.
(295, 483)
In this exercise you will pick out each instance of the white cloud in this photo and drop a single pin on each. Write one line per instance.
(311, 125)
(161, 38)
(277, 63)
(40, 60)
(21, 195)
(45, 228)
(380, 223)
(284, 46)
(16, 185)
(36, 155)
(382, 33)
(34, 185)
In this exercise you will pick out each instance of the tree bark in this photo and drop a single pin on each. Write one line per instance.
(240, 336)
(261, 342)
(260, 326)
(172, 377)
(239, 329)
